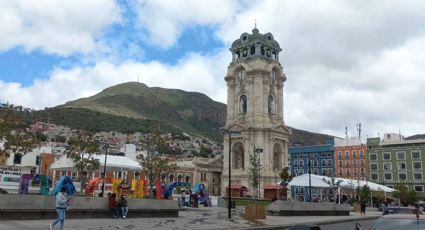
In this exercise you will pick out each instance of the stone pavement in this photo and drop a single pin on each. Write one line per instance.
(202, 218)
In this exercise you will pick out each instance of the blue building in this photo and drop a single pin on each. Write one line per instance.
(322, 162)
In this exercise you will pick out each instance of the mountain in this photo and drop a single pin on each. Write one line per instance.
(186, 111)
(132, 107)
(414, 137)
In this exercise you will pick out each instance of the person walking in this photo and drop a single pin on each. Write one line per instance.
(61, 207)
(123, 204)
(362, 207)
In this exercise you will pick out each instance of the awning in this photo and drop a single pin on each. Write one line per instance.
(113, 163)
(318, 182)
(237, 186)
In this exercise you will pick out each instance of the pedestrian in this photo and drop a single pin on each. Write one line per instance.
(61, 207)
(112, 203)
(123, 204)
(274, 198)
(187, 199)
(362, 207)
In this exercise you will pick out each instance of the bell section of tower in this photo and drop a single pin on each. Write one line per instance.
(255, 81)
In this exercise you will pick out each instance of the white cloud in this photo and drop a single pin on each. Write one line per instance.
(57, 27)
(346, 61)
(193, 73)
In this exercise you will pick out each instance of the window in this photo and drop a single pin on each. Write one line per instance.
(340, 171)
(17, 159)
(329, 172)
(270, 104)
(388, 176)
(401, 156)
(301, 171)
(296, 172)
(347, 171)
(323, 162)
(373, 157)
(323, 172)
(402, 176)
(243, 105)
(374, 176)
(329, 154)
(362, 162)
(416, 154)
(329, 163)
(37, 160)
(301, 163)
(315, 171)
(355, 172)
(340, 163)
(401, 166)
(295, 163)
(315, 163)
(417, 176)
(362, 171)
(387, 166)
(386, 156)
(417, 165)
(419, 188)
(355, 163)
(347, 164)
(361, 154)
(347, 155)
(339, 155)
(373, 167)
(354, 154)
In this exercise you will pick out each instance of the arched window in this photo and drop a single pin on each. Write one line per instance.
(243, 104)
(270, 104)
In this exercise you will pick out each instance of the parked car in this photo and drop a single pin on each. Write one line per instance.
(397, 222)
(400, 210)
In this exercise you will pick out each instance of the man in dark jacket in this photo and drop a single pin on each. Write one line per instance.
(122, 202)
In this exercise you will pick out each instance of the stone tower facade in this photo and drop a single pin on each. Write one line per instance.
(255, 108)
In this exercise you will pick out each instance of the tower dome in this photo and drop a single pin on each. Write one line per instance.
(255, 45)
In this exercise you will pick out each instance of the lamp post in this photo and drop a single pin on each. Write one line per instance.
(229, 207)
(104, 170)
(309, 178)
(258, 151)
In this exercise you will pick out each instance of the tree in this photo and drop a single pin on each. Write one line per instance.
(254, 171)
(365, 193)
(406, 195)
(13, 137)
(154, 163)
(333, 184)
(81, 150)
(285, 176)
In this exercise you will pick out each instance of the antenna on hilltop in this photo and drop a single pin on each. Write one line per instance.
(359, 129)
(346, 132)
(138, 78)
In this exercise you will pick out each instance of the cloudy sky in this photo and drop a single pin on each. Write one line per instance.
(346, 61)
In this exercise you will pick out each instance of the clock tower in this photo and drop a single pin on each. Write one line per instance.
(255, 112)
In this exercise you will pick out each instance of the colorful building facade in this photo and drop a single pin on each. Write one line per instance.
(395, 160)
(322, 162)
(350, 159)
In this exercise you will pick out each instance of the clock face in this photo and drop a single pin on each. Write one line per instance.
(241, 75)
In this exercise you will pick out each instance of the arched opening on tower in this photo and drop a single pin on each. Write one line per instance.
(238, 159)
(277, 156)
(243, 104)
(271, 104)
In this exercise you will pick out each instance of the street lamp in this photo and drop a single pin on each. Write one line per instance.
(104, 170)
(258, 151)
(309, 177)
(229, 207)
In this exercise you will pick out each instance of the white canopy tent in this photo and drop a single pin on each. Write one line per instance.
(318, 182)
(113, 163)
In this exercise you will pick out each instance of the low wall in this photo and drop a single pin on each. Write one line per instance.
(296, 208)
(28, 206)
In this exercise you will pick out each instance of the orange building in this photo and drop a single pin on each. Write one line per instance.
(350, 159)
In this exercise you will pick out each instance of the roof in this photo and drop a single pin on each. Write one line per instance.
(273, 186)
(237, 186)
(402, 216)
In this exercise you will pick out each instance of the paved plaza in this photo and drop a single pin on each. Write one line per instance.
(202, 218)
